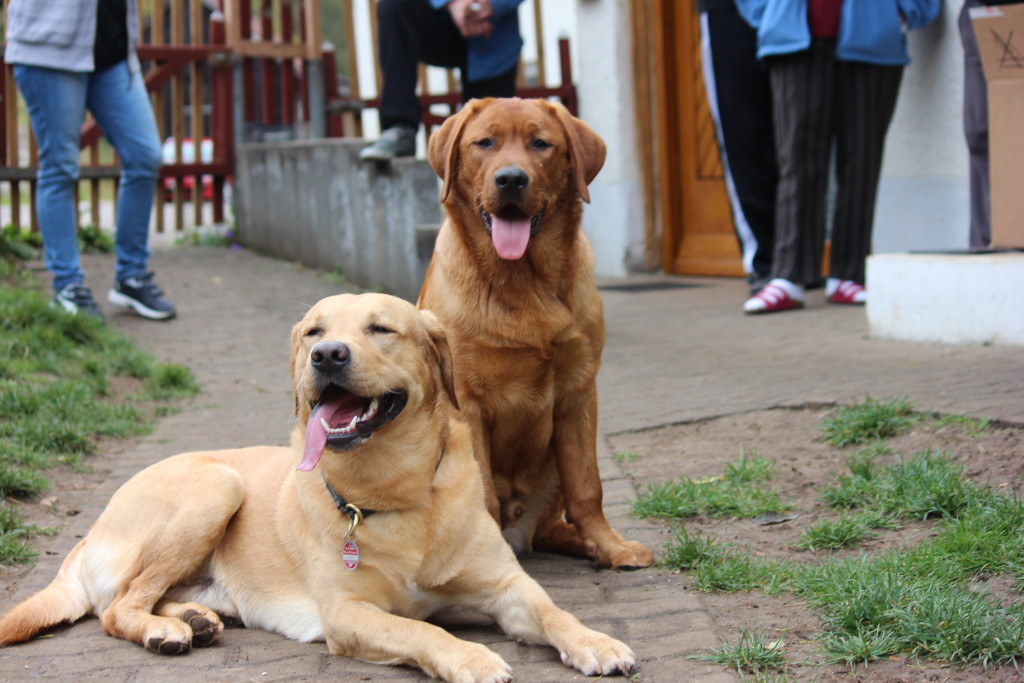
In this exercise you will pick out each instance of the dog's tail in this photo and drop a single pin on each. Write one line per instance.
(64, 600)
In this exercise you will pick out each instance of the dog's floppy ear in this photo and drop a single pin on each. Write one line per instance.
(586, 149)
(439, 338)
(295, 363)
(443, 146)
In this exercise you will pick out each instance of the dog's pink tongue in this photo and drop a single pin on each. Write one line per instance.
(510, 237)
(316, 440)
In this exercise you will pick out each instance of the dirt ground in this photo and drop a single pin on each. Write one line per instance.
(791, 438)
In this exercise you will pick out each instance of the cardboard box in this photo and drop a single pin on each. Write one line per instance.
(1000, 32)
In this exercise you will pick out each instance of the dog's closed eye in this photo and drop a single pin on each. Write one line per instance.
(313, 331)
(380, 329)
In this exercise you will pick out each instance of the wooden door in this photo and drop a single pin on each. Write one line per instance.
(697, 229)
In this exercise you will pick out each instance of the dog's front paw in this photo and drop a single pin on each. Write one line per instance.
(626, 555)
(206, 626)
(169, 637)
(475, 663)
(598, 654)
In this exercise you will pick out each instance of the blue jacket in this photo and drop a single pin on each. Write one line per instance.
(492, 56)
(869, 30)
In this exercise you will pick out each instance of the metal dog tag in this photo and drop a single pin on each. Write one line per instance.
(350, 554)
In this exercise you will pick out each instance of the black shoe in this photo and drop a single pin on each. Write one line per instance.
(397, 141)
(77, 299)
(143, 296)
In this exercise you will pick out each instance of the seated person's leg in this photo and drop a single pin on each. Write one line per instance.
(410, 32)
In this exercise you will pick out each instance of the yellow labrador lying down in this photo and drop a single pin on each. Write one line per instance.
(374, 520)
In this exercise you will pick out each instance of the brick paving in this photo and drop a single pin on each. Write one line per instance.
(673, 355)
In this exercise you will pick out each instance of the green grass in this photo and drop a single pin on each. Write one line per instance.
(749, 655)
(862, 423)
(927, 601)
(336, 277)
(686, 551)
(210, 236)
(66, 382)
(846, 531)
(859, 646)
(95, 240)
(930, 484)
(739, 492)
(972, 426)
(924, 603)
(14, 534)
(931, 601)
(19, 244)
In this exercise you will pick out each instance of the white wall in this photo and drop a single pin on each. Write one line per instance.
(614, 221)
(923, 194)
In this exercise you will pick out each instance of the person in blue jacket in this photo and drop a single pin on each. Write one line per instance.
(479, 37)
(835, 68)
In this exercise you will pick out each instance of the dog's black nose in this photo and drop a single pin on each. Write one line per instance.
(511, 178)
(330, 355)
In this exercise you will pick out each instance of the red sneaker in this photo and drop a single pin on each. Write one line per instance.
(770, 299)
(848, 292)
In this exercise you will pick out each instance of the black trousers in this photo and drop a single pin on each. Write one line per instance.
(410, 32)
(819, 102)
(740, 94)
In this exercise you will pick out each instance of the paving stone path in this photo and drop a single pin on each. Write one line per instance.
(674, 354)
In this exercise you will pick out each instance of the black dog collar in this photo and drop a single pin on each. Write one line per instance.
(343, 505)
(351, 510)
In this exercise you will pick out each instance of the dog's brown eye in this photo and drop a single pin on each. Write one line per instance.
(540, 144)
(380, 329)
(313, 331)
(485, 143)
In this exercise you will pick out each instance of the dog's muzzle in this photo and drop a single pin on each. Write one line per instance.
(510, 230)
(341, 419)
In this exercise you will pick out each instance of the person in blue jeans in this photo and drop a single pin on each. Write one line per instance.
(70, 56)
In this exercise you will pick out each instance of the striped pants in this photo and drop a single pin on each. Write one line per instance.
(818, 101)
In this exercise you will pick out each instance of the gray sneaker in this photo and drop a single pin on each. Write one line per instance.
(142, 296)
(77, 299)
(397, 141)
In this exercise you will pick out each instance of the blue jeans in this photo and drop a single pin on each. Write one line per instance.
(117, 99)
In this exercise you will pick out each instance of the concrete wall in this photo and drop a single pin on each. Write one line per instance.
(923, 194)
(314, 202)
(614, 221)
(947, 298)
